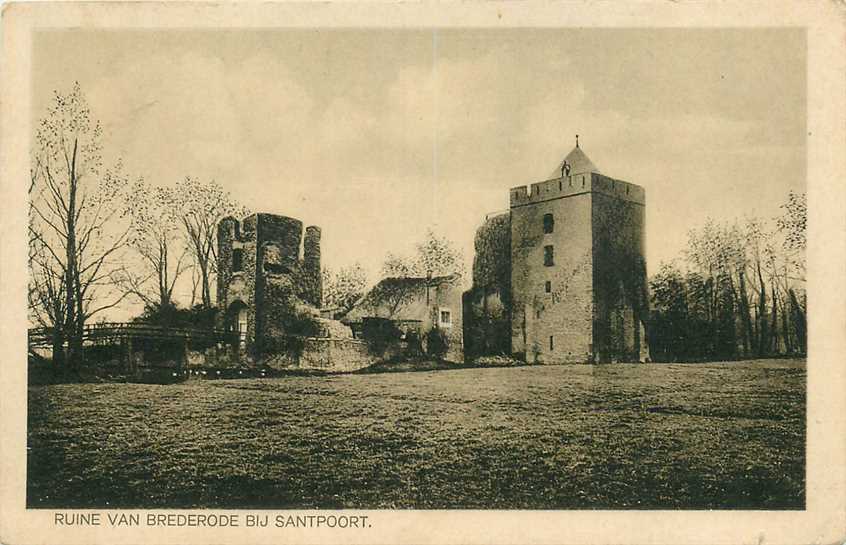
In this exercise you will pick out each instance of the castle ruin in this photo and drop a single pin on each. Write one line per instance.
(268, 276)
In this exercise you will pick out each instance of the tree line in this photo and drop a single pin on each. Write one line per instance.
(738, 292)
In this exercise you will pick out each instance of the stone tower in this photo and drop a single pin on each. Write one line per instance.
(578, 275)
(261, 275)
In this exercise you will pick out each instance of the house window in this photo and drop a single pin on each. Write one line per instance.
(237, 260)
(444, 318)
(548, 287)
(548, 223)
(548, 259)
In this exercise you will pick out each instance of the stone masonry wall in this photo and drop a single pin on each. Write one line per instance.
(277, 277)
(273, 278)
(236, 288)
(311, 278)
(448, 296)
(565, 313)
(328, 355)
(619, 273)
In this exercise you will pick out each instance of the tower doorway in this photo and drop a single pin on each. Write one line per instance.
(237, 322)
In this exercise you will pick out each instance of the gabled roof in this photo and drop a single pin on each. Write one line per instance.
(406, 284)
(412, 282)
(579, 163)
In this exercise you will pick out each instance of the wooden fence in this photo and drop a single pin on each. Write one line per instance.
(115, 332)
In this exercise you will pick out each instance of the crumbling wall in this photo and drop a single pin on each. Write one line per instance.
(277, 279)
(236, 288)
(327, 355)
(311, 278)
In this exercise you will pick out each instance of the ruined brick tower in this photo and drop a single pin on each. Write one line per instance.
(578, 272)
(261, 275)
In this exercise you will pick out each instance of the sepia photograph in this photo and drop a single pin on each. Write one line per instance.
(417, 269)
(489, 273)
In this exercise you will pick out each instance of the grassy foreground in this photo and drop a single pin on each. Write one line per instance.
(717, 435)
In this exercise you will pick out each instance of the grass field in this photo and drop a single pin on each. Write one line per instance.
(717, 435)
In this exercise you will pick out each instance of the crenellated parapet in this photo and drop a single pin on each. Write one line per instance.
(576, 184)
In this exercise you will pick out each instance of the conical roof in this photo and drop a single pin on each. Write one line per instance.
(578, 161)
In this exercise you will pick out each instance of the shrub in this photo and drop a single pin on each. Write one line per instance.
(437, 343)
(379, 333)
(170, 315)
(413, 346)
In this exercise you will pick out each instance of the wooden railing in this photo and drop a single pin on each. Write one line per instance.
(110, 332)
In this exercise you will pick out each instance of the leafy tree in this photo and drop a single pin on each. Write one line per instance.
(437, 256)
(436, 260)
(344, 288)
(669, 327)
(75, 230)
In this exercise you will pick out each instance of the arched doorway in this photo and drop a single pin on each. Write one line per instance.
(237, 321)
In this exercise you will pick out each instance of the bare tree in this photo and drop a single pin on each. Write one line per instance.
(743, 293)
(75, 235)
(201, 206)
(792, 225)
(155, 237)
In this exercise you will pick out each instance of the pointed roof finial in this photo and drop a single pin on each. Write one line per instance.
(576, 162)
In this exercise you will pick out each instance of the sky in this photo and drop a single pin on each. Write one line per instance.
(376, 135)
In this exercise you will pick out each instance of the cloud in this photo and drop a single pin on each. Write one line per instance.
(366, 135)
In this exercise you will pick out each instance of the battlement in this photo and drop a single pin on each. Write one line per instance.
(576, 184)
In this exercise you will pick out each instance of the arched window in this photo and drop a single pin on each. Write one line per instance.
(548, 223)
(237, 260)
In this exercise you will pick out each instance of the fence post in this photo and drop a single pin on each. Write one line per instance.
(129, 360)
